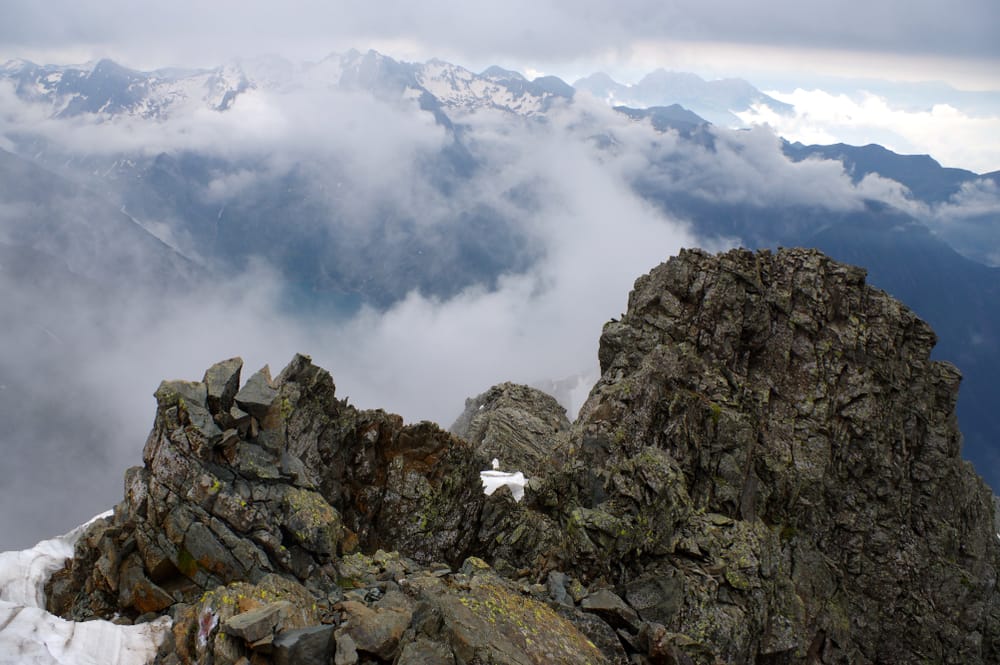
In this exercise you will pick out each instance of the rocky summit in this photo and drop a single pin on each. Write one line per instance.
(768, 471)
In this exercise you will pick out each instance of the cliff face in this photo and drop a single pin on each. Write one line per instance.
(768, 471)
(802, 404)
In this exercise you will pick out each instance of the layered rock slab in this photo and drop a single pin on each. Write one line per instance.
(520, 426)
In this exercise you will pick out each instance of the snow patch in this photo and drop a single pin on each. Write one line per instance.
(31, 636)
(494, 479)
(23, 574)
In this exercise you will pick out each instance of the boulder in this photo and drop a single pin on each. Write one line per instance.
(222, 382)
(607, 605)
(374, 631)
(313, 645)
(258, 623)
(258, 395)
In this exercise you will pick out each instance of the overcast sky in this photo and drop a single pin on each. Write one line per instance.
(789, 47)
(902, 39)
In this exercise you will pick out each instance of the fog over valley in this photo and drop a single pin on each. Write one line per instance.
(422, 230)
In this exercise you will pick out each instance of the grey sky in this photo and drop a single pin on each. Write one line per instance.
(557, 35)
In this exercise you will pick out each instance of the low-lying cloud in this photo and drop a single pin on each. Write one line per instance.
(565, 185)
(953, 137)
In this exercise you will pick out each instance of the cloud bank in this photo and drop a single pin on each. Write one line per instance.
(952, 136)
(567, 188)
(104, 353)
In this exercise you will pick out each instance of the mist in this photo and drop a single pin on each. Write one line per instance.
(85, 351)
(955, 136)
(88, 358)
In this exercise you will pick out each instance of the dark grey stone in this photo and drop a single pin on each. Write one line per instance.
(222, 381)
(606, 604)
(305, 646)
(257, 396)
(256, 624)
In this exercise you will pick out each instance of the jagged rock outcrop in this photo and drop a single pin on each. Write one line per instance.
(768, 471)
(795, 397)
(277, 478)
(821, 508)
(770, 462)
(519, 425)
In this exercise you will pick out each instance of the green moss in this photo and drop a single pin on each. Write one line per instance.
(186, 563)
(736, 579)
(716, 413)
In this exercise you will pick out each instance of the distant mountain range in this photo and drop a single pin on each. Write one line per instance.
(108, 88)
(715, 101)
(975, 233)
(71, 225)
(411, 176)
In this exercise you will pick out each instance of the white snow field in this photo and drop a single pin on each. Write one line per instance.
(31, 636)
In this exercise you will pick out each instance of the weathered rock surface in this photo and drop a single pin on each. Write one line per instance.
(519, 425)
(768, 471)
(831, 516)
(283, 488)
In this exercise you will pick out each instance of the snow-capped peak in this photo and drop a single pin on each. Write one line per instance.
(108, 89)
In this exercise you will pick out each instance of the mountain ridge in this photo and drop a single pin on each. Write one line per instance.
(768, 470)
(715, 100)
(153, 92)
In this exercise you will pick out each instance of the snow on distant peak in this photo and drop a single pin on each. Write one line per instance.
(31, 636)
(460, 89)
(496, 73)
(16, 65)
(107, 89)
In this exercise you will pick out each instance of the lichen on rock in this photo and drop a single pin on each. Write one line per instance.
(767, 471)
